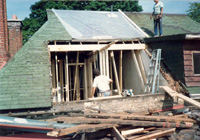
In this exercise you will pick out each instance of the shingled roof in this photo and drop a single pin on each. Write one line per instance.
(172, 23)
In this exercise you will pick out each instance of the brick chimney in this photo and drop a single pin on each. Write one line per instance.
(3, 34)
(15, 35)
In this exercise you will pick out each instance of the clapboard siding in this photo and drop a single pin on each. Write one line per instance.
(189, 47)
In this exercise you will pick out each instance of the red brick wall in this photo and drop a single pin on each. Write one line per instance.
(15, 36)
(3, 34)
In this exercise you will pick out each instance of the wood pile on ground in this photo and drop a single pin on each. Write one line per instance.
(107, 126)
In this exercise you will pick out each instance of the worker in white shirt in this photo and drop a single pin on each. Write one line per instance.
(102, 83)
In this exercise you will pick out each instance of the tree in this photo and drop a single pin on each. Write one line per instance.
(194, 11)
(38, 14)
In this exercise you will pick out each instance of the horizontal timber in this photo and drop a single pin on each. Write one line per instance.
(65, 48)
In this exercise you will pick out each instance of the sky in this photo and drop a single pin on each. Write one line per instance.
(21, 8)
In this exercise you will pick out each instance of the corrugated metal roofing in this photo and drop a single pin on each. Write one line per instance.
(97, 25)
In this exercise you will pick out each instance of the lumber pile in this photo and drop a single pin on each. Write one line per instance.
(122, 126)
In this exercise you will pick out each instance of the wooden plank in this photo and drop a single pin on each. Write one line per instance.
(107, 46)
(188, 62)
(140, 117)
(106, 97)
(85, 81)
(181, 116)
(157, 134)
(131, 131)
(67, 77)
(189, 73)
(188, 68)
(169, 108)
(142, 131)
(76, 120)
(57, 86)
(61, 79)
(66, 48)
(115, 73)
(187, 52)
(76, 76)
(193, 84)
(83, 128)
(117, 135)
(192, 79)
(187, 57)
(120, 69)
(139, 58)
(175, 94)
(107, 63)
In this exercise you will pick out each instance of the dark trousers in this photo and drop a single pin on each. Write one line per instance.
(158, 24)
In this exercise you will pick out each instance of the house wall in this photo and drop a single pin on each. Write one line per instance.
(3, 34)
(172, 56)
(192, 81)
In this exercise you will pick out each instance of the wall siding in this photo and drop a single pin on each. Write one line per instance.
(189, 46)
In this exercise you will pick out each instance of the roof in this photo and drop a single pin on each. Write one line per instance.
(172, 23)
(97, 25)
(25, 79)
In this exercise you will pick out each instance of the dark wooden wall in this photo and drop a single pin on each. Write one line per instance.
(189, 47)
(172, 54)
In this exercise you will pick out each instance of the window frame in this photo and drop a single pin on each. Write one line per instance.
(193, 62)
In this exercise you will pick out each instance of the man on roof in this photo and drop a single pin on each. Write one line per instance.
(157, 16)
(102, 83)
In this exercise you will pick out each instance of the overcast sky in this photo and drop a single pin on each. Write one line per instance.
(21, 8)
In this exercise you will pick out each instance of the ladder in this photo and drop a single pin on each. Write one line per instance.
(154, 72)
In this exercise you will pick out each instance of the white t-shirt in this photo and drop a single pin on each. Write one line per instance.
(157, 7)
(102, 83)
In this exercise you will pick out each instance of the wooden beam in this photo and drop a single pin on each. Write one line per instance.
(140, 117)
(107, 46)
(138, 70)
(142, 131)
(61, 79)
(111, 74)
(67, 77)
(117, 135)
(66, 48)
(115, 72)
(131, 131)
(173, 93)
(120, 69)
(140, 63)
(75, 77)
(57, 87)
(83, 128)
(107, 63)
(76, 120)
(157, 134)
(85, 81)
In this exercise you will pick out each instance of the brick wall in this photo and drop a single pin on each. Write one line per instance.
(15, 36)
(3, 34)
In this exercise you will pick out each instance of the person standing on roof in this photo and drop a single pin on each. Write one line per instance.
(157, 15)
(102, 83)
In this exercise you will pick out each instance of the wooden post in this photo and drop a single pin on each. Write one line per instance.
(137, 53)
(67, 78)
(103, 62)
(70, 84)
(138, 70)
(94, 60)
(120, 69)
(57, 89)
(111, 75)
(107, 63)
(85, 80)
(75, 77)
(100, 61)
(61, 80)
(53, 67)
(115, 72)
(78, 85)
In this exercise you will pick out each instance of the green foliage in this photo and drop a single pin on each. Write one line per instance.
(194, 11)
(38, 14)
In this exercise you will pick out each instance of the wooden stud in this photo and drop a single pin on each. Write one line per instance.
(61, 79)
(138, 70)
(85, 81)
(75, 77)
(107, 63)
(53, 72)
(120, 69)
(67, 78)
(57, 89)
(100, 62)
(115, 72)
(111, 75)
(139, 58)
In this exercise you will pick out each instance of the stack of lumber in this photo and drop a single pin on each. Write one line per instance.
(122, 126)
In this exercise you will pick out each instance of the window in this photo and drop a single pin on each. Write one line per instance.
(196, 62)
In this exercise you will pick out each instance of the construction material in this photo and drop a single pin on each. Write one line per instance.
(152, 83)
(66, 77)
(154, 135)
(117, 134)
(76, 75)
(131, 131)
(173, 93)
(115, 72)
(120, 69)
(140, 117)
(76, 120)
(84, 128)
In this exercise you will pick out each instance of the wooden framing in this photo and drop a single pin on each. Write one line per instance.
(66, 48)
